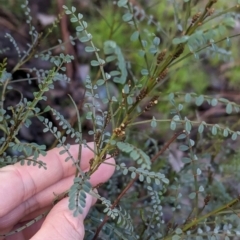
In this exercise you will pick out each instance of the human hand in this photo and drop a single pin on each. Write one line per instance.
(27, 191)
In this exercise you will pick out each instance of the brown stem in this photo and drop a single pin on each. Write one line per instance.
(132, 182)
(65, 36)
(166, 146)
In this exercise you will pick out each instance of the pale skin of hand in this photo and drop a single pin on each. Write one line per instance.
(27, 191)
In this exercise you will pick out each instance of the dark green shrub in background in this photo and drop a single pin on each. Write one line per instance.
(149, 73)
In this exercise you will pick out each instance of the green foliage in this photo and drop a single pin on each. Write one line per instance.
(155, 193)
(77, 194)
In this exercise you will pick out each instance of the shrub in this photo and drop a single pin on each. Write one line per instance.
(174, 191)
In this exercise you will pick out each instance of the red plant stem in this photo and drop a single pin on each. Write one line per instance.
(166, 146)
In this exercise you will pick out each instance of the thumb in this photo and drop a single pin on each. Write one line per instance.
(60, 224)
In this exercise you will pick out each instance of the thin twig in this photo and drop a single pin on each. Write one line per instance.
(65, 36)
(166, 146)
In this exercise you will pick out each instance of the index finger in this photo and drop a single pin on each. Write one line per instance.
(18, 183)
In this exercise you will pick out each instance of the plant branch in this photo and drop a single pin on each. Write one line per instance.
(129, 185)
(202, 218)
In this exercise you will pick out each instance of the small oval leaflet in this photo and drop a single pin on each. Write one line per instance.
(153, 122)
(73, 19)
(127, 17)
(95, 63)
(85, 39)
(180, 107)
(156, 41)
(100, 82)
(153, 50)
(192, 195)
(214, 130)
(133, 175)
(73, 9)
(129, 100)
(192, 142)
(80, 16)
(183, 147)
(181, 136)
(229, 108)
(201, 189)
(234, 136)
(199, 100)
(188, 98)
(225, 132)
(171, 96)
(125, 171)
(89, 49)
(134, 36)
(201, 128)
(214, 102)
(122, 3)
(178, 231)
(188, 126)
(173, 125)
